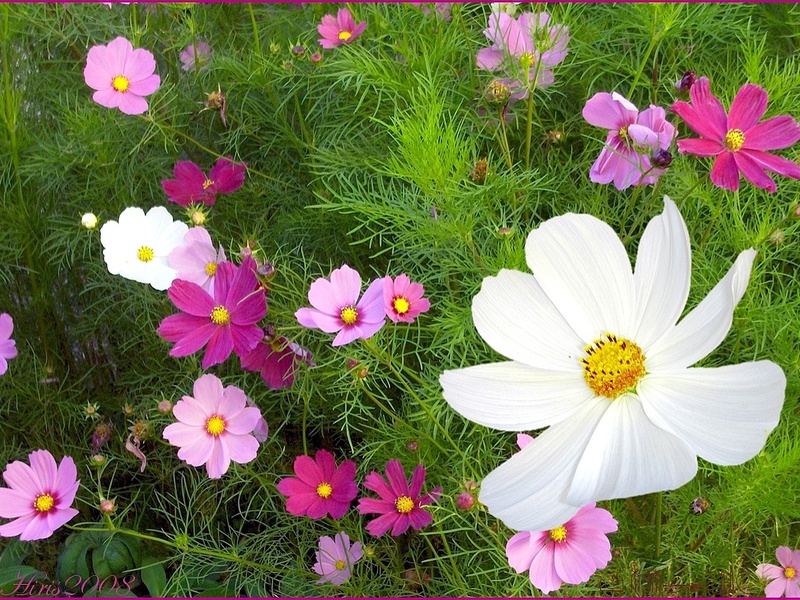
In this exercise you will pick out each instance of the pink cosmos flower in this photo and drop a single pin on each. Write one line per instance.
(400, 504)
(191, 184)
(632, 138)
(403, 299)
(277, 360)
(121, 76)
(320, 488)
(737, 139)
(214, 427)
(570, 553)
(225, 321)
(189, 58)
(38, 497)
(442, 9)
(196, 260)
(337, 307)
(786, 578)
(8, 347)
(261, 430)
(336, 558)
(339, 30)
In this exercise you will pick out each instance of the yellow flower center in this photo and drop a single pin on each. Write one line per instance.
(401, 305)
(404, 505)
(44, 503)
(145, 254)
(207, 184)
(345, 35)
(526, 60)
(734, 139)
(338, 565)
(211, 268)
(324, 490)
(612, 366)
(220, 315)
(349, 315)
(623, 135)
(215, 425)
(559, 534)
(121, 83)
(790, 573)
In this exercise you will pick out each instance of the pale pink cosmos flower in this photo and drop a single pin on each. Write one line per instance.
(214, 427)
(337, 307)
(8, 347)
(339, 30)
(195, 56)
(632, 138)
(336, 558)
(121, 76)
(737, 139)
(786, 578)
(320, 488)
(39, 497)
(196, 260)
(403, 299)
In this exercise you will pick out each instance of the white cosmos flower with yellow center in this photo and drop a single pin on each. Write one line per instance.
(598, 356)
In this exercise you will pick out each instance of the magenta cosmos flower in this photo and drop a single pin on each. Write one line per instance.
(196, 260)
(400, 504)
(8, 347)
(339, 30)
(320, 488)
(191, 184)
(570, 553)
(38, 497)
(277, 360)
(337, 307)
(214, 427)
(737, 139)
(225, 321)
(403, 299)
(198, 56)
(121, 76)
(632, 139)
(786, 578)
(336, 558)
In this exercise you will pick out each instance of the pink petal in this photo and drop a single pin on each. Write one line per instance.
(490, 59)
(792, 588)
(220, 346)
(36, 529)
(299, 504)
(776, 589)
(747, 107)
(357, 31)
(753, 172)
(766, 571)
(417, 481)
(523, 547)
(374, 505)
(572, 564)
(347, 334)
(250, 310)
(378, 484)
(713, 123)
(700, 147)
(241, 449)
(66, 478)
(15, 504)
(343, 482)
(245, 338)
(772, 134)
(543, 572)
(145, 87)
(16, 527)
(193, 340)
(397, 477)
(244, 423)
(44, 467)
(308, 471)
(338, 509)
(784, 556)
(382, 524)
(725, 173)
(191, 298)
(227, 175)
(312, 318)
(175, 327)
(219, 461)
(317, 509)
(6, 326)
(22, 478)
(643, 136)
(345, 286)
(401, 524)
(602, 110)
(197, 453)
(419, 518)
(110, 98)
(605, 167)
(180, 434)
(131, 104)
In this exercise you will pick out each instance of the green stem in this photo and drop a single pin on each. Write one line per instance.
(504, 140)
(659, 498)
(654, 40)
(256, 36)
(305, 417)
(529, 124)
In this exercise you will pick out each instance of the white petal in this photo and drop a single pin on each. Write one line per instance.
(514, 397)
(629, 456)
(662, 275)
(517, 319)
(724, 414)
(583, 268)
(527, 492)
(702, 330)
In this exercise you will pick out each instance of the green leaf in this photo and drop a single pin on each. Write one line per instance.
(15, 553)
(13, 575)
(153, 576)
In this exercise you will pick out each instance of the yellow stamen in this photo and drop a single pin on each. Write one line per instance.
(145, 254)
(401, 305)
(44, 503)
(349, 315)
(220, 315)
(215, 425)
(338, 565)
(559, 534)
(345, 35)
(207, 184)
(734, 139)
(623, 135)
(404, 505)
(613, 366)
(790, 572)
(526, 60)
(211, 268)
(121, 83)
(324, 490)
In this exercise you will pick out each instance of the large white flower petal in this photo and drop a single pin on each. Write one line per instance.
(527, 492)
(628, 456)
(662, 275)
(583, 268)
(517, 319)
(724, 414)
(702, 330)
(514, 397)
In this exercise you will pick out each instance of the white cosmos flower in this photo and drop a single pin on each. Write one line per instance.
(597, 356)
(137, 247)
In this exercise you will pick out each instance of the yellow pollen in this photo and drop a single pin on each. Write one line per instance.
(145, 254)
(623, 135)
(349, 315)
(790, 573)
(220, 315)
(215, 425)
(612, 366)
(559, 534)
(211, 268)
(401, 305)
(734, 139)
(345, 35)
(44, 503)
(324, 490)
(404, 505)
(338, 565)
(120, 83)
(526, 60)
(207, 184)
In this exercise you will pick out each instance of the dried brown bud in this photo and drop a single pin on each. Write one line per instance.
(497, 92)
(478, 173)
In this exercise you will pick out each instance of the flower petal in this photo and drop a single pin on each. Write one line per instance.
(753, 172)
(725, 173)
(604, 110)
(700, 147)
(770, 162)
(747, 107)
(773, 134)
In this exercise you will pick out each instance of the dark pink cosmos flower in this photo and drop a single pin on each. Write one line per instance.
(225, 322)
(277, 360)
(320, 488)
(737, 139)
(400, 504)
(191, 184)
(339, 30)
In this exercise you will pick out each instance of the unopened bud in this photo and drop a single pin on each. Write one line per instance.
(352, 363)
(465, 501)
(661, 158)
(98, 460)
(298, 50)
(505, 231)
(316, 57)
(478, 173)
(362, 374)
(412, 446)
(685, 83)
(107, 507)
(470, 486)
(198, 217)
(127, 410)
(89, 221)
(165, 407)
(777, 237)
(274, 48)
(266, 270)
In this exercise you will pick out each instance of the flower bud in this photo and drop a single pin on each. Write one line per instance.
(505, 231)
(352, 363)
(98, 460)
(165, 407)
(465, 501)
(127, 410)
(198, 217)
(89, 221)
(470, 486)
(316, 57)
(661, 158)
(274, 48)
(685, 83)
(107, 507)
(90, 411)
(478, 173)
(266, 270)
(412, 446)
(497, 92)
(777, 237)
(298, 50)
